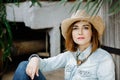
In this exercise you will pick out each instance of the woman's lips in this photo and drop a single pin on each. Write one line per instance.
(81, 38)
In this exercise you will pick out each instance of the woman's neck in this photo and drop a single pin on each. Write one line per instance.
(83, 47)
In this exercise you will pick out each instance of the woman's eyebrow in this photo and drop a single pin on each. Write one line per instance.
(75, 25)
(86, 25)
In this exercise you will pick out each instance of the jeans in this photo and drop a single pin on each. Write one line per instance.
(20, 73)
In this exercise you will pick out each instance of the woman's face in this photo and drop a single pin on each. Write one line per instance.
(82, 33)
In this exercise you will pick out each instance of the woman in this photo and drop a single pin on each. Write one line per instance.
(83, 60)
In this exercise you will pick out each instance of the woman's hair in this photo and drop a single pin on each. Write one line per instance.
(72, 46)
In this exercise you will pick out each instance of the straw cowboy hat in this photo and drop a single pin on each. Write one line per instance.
(96, 21)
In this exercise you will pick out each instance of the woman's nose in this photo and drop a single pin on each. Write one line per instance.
(80, 31)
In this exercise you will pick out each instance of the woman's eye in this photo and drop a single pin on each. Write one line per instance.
(74, 28)
(86, 27)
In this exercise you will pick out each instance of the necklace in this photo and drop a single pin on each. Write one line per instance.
(79, 62)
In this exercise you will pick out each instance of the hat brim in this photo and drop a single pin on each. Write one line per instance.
(96, 21)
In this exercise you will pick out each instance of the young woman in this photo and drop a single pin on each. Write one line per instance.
(83, 60)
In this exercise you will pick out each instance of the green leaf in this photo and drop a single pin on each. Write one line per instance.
(76, 5)
(33, 2)
(62, 2)
(92, 7)
(39, 3)
(109, 1)
(97, 7)
(88, 3)
(1, 1)
(0, 28)
(115, 8)
(2, 44)
(9, 32)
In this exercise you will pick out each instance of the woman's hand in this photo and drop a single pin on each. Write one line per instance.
(32, 67)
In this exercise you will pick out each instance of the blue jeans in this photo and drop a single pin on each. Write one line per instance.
(20, 73)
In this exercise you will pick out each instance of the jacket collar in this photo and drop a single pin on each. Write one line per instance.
(84, 53)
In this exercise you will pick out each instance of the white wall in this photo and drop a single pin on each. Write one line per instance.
(50, 15)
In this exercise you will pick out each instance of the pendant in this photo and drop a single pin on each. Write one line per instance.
(79, 62)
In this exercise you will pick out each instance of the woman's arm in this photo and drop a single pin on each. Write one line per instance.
(48, 64)
(53, 63)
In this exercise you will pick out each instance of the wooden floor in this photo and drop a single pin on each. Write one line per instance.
(54, 75)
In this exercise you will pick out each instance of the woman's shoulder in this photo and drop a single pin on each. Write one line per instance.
(68, 52)
(102, 54)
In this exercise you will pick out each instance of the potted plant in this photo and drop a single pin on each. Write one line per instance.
(6, 34)
(5, 37)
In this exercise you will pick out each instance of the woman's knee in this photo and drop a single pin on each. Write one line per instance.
(20, 73)
(22, 66)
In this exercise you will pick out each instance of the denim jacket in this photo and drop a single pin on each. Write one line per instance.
(98, 66)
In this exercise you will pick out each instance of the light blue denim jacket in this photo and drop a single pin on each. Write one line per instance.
(99, 66)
